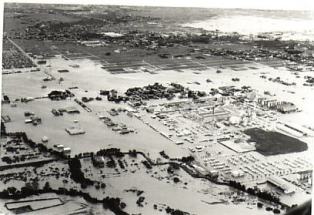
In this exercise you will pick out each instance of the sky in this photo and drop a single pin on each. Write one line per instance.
(250, 4)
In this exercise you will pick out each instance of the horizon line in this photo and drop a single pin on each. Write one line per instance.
(278, 5)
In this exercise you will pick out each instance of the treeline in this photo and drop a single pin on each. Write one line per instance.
(147, 164)
(187, 160)
(110, 152)
(175, 211)
(22, 137)
(77, 175)
(41, 147)
(3, 129)
(132, 153)
(256, 192)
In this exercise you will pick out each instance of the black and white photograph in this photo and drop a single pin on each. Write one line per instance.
(156, 107)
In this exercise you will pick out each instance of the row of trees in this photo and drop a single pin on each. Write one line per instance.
(256, 192)
(132, 153)
(41, 147)
(3, 129)
(76, 173)
(147, 164)
(110, 152)
(175, 211)
(188, 159)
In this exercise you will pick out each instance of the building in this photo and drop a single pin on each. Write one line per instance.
(285, 186)
(98, 161)
(63, 70)
(66, 151)
(235, 120)
(44, 139)
(286, 107)
(59, 95)
(72, 110)
(5, 99)
(280, 106)
(306, 175)
(74, 130)
(59, 147)
(237, 173)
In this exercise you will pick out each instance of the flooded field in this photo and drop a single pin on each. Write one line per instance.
(90, 78)
(97, 134)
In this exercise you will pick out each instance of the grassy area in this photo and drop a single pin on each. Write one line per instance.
(273, 143)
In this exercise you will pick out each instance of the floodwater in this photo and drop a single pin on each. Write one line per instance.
(90, 78)
(288, 28)
(97, 135)
(190, 200)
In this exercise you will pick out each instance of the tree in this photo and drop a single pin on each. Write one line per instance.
(26, 191)
(187, 159)
(176, 180)
(133, 153)
(4, 193)
(47, 187)
(111, 164)
(35, 183)
(12, 190)
(3, 129)
(276, 211)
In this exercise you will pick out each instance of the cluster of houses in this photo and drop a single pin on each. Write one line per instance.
(59, 94)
